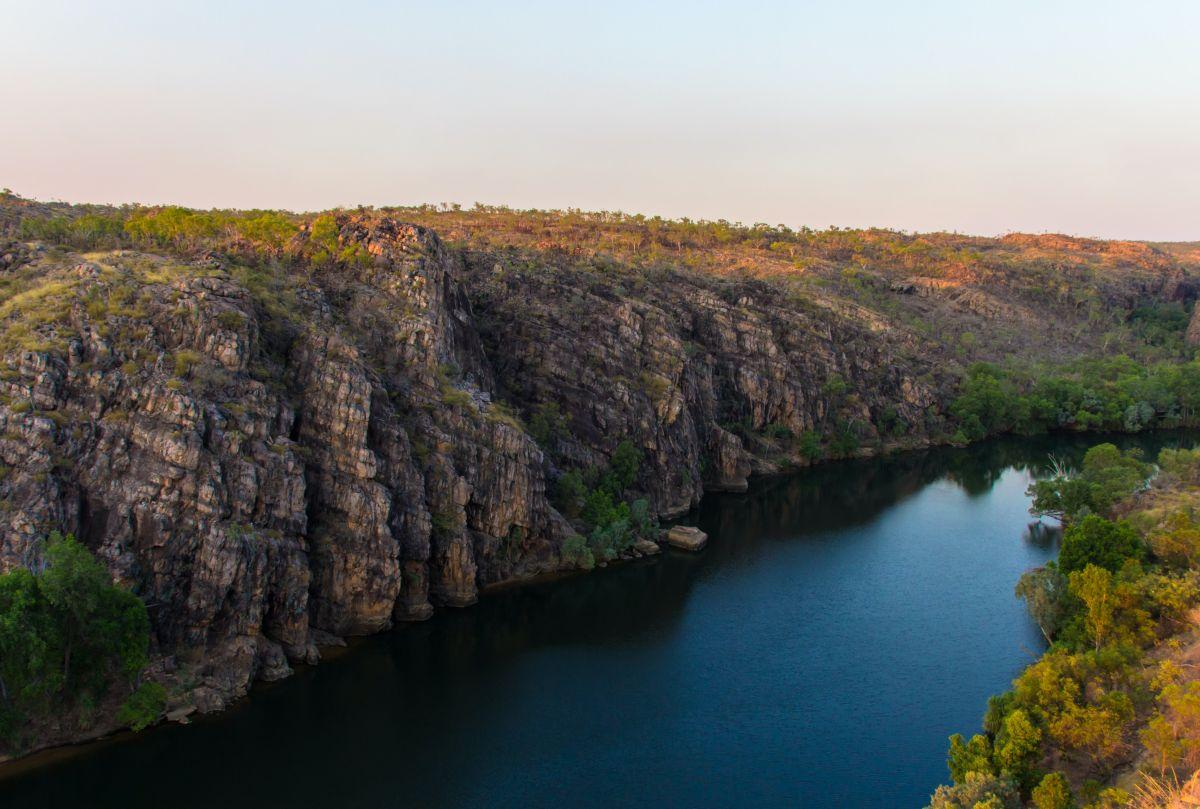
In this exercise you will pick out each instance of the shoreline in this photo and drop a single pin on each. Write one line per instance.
(49, 754)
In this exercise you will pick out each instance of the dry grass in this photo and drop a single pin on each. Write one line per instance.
(1166, 793)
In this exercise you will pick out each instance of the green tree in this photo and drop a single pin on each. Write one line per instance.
(1094, 586)
(570, 492)
(66, 633)
(29, 642)
(965, 757)
(1097, 541)
(624, 467)
(1053, 793)
(1044, 591)
(99, 624)
(1017, 745)
(1161, 742)
(977, 791)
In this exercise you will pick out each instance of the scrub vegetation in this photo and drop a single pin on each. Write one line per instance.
(1110, 714)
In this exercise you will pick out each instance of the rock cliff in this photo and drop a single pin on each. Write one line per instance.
(276, 449)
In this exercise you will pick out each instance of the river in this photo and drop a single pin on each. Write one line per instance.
(840, 625)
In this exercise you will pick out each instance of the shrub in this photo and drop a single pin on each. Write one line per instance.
(576, 552)
(547, 425)
(144, 706)
(185, 361)
(570, 492)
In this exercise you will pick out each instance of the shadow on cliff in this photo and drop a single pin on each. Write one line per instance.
(378, 710)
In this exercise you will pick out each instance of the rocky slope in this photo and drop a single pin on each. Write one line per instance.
(277, 448)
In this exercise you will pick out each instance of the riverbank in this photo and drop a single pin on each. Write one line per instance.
(1110, 710)
(811, 597)
(865, 457)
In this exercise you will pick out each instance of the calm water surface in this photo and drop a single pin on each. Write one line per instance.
(841, 624)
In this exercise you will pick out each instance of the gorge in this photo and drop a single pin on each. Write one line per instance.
(843, 621)
(283, 430)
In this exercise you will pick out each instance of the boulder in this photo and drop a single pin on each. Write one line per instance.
(646, 547)
(686, 538)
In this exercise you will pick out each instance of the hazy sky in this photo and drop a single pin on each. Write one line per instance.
(984, 117)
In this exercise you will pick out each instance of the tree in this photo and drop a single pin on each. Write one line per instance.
(98, 623)
(28, 644)
(1044, 591)
(1097, 731)
(1094, 586)
(966, 757)
(1053, 793)
(1106, 476)
(1017, 745)
(1097, 541)
(1061, 497)
(1159, 738)
(1113, 474)
(1178, 540)
(977, 791)
(65, 632)
(570, 492)
(624, 467)
(1181, 707)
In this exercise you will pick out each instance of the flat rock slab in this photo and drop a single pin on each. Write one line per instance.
(181, 715)
(686, 538)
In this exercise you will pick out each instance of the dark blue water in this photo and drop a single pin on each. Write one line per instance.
(842, 623)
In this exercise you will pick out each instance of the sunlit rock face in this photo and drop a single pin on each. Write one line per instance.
(277, 452)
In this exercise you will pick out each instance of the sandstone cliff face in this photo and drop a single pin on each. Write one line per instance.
(679, 364)
(280, 451)
(262, 493)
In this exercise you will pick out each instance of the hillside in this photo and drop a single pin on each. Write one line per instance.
(280, 430)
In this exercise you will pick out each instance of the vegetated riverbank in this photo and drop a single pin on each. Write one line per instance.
(1110, 715)
(281, 430)
(497, 705)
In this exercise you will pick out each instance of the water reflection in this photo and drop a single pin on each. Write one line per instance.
(840, 624)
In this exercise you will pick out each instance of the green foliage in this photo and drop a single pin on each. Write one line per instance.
(548, 425)
(978, 791)
(809, 445)
(966, 757)
(91, 231)
(66, 633)
(600, 509)
(1107, 475)
(185, 361)
(615, 524)
(1017, 746)
(1086, 699)
(570, 492)
(1097, 541)
(1114, 393)
(144, 706)
(575, 551)
(326, 246)
(1044, 591)
(1053, 793)
(623, 467)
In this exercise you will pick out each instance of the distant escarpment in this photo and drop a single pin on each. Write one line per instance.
(281, 430)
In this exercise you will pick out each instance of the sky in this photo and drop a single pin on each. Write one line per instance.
(972, 116)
